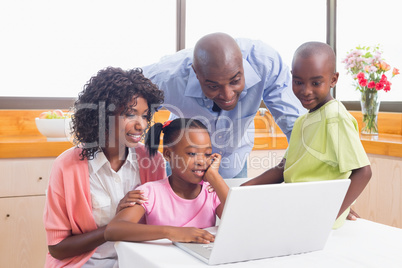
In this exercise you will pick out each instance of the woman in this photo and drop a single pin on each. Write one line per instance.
(90, 183)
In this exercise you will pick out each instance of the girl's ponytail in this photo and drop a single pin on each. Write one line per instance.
(152, 138)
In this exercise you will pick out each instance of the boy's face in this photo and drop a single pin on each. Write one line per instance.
(312, 79)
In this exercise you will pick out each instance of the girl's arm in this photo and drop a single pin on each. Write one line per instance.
(359, 179)
(271, 176)
(215, 179)
(125, 227)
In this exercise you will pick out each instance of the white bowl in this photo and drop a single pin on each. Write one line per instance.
(54, 129)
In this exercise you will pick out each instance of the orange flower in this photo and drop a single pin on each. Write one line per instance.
(385, 66)
(395, 71)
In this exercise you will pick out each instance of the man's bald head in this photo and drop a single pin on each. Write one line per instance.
(218, 64)
(216, 51)
(310, 49)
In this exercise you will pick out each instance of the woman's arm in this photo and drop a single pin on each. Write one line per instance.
(77, 244)
(125, 227)
(359, 179)
(271, 176)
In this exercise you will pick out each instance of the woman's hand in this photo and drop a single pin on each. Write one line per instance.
(190, 234)
(130, 199)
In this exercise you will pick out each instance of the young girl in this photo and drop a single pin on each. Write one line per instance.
(178, 206)
(89, 184)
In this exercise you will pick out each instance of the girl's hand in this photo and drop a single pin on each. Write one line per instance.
(213, 168)
(190, 234)
(130, 199)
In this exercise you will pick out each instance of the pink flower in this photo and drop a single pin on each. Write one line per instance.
(383, 78)
(387, 86)
(379, 86)
(371, 84)
(395, 71)
(363, 82)
(360, 76)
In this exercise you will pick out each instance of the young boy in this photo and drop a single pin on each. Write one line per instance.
(325, 143)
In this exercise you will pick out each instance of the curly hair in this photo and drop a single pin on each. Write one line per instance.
(110, 91)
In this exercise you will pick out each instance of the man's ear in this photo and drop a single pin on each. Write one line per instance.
(192, 66)
(334, 79)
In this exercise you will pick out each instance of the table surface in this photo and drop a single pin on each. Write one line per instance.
(358, 243)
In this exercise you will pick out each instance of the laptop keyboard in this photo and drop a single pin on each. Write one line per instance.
(208, 246)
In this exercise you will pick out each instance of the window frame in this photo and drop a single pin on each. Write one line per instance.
(66, 103)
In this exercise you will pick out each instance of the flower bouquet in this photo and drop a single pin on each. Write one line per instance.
(368, 69)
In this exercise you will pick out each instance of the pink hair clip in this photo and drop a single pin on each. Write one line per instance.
(166, 123)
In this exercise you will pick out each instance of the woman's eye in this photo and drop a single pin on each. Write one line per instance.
(208, 155)
(192, 154)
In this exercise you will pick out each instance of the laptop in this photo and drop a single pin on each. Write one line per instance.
(273, 220)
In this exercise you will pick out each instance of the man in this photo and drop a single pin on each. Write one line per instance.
(222, 82)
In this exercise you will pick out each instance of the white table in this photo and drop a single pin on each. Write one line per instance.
(358, 243)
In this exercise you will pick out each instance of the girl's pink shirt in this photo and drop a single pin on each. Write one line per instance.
(164, 207)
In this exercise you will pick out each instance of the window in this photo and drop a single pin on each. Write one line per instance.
(280, 24)
(368, 23)
(51, 48)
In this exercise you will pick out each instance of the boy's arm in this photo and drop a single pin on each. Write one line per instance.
(271, 176)
(359, 179)
(125, 227)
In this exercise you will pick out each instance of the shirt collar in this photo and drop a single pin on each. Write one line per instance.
(100, 160)
(193, 88)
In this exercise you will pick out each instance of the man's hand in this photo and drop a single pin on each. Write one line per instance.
(130, 199)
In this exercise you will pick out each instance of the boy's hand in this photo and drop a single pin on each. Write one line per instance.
(352, 216)
(190, 234)
(130, 199)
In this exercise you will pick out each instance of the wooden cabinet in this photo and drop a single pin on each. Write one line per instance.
(262, 160)
(381, 200)
(23, 184)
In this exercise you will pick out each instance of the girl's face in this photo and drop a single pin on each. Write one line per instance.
(132, 123)
(191, 156)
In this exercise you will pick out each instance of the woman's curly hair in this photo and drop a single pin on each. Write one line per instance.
(105, 94)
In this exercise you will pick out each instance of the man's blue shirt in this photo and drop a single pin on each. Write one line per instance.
(267, 78)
